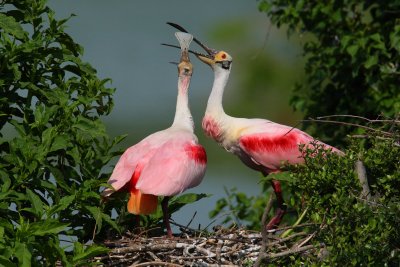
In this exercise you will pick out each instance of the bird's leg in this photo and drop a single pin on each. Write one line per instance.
(164, 206)
(281, 209)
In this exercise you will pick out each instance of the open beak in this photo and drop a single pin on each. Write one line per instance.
(208, 58)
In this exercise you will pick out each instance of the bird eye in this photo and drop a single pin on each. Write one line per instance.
(223, 56)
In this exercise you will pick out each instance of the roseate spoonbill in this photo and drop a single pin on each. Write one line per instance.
(167, 162)
(260, 144)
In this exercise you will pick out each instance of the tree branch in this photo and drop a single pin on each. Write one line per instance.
(264, 233)
(362, 176)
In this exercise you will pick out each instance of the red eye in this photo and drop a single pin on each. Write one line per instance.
(223, 56)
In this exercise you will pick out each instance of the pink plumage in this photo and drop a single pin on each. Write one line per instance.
(167, 162)
(260, 144)
(274, 144)
(173, 168)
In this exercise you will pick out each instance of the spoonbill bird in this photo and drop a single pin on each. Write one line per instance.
(260, 144)
(167, 162)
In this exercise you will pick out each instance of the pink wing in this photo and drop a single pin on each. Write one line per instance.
(277, 144)
(176, 166)
(126, 165)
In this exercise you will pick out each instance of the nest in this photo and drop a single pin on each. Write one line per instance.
(224, 247)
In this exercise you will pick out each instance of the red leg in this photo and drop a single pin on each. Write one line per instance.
(281, 209)
(164, 206)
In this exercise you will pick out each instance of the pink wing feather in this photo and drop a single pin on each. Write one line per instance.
(276, 144)
(176, 166)
(141, 152)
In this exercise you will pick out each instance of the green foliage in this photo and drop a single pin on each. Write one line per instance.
(239, 209)
(356, 231)
(53, 145)
(352, 53)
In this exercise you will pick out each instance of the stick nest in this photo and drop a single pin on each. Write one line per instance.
(224, 247)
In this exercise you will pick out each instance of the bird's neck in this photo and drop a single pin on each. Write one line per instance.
(183, 117)
(214, 104)
(215, 118)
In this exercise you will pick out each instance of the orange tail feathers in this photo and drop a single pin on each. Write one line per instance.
(142, 203)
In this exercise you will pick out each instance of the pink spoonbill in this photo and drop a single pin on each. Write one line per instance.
(260, 144)
(167, 162)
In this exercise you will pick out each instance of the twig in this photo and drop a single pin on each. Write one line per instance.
(292, 251)
(191, 220)
(148, 247)
(155, 263)
(292, 227)
(186, 227)
(289, 231)
(306, 240)
(265, 41)
(281, 240)
(264, 232)
(204, 264)
(154, 256)
(349, 124)
(357, 117)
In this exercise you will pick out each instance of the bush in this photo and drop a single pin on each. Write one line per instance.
(53, 145)
(356, 229)
(351, 51)
(355, 226)
(56, 145)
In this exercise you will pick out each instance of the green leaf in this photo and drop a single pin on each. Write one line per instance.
(6, 262)
(37, 204)
(352, 50)
(18, 126)
(189, 198)
(92, 127)
(47, 227)
(97, 215)
(62, 205)
(371, 61)
(395, 38)
(60, 142)
(264, 6)
(108, 220)
(87, 254)
(23, 254)
(9, 25)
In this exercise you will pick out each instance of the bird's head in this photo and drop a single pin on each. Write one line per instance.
(216, 58)
(185, 67)
(212, 57)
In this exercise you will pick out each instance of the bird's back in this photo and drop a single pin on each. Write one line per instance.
(265, 145)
